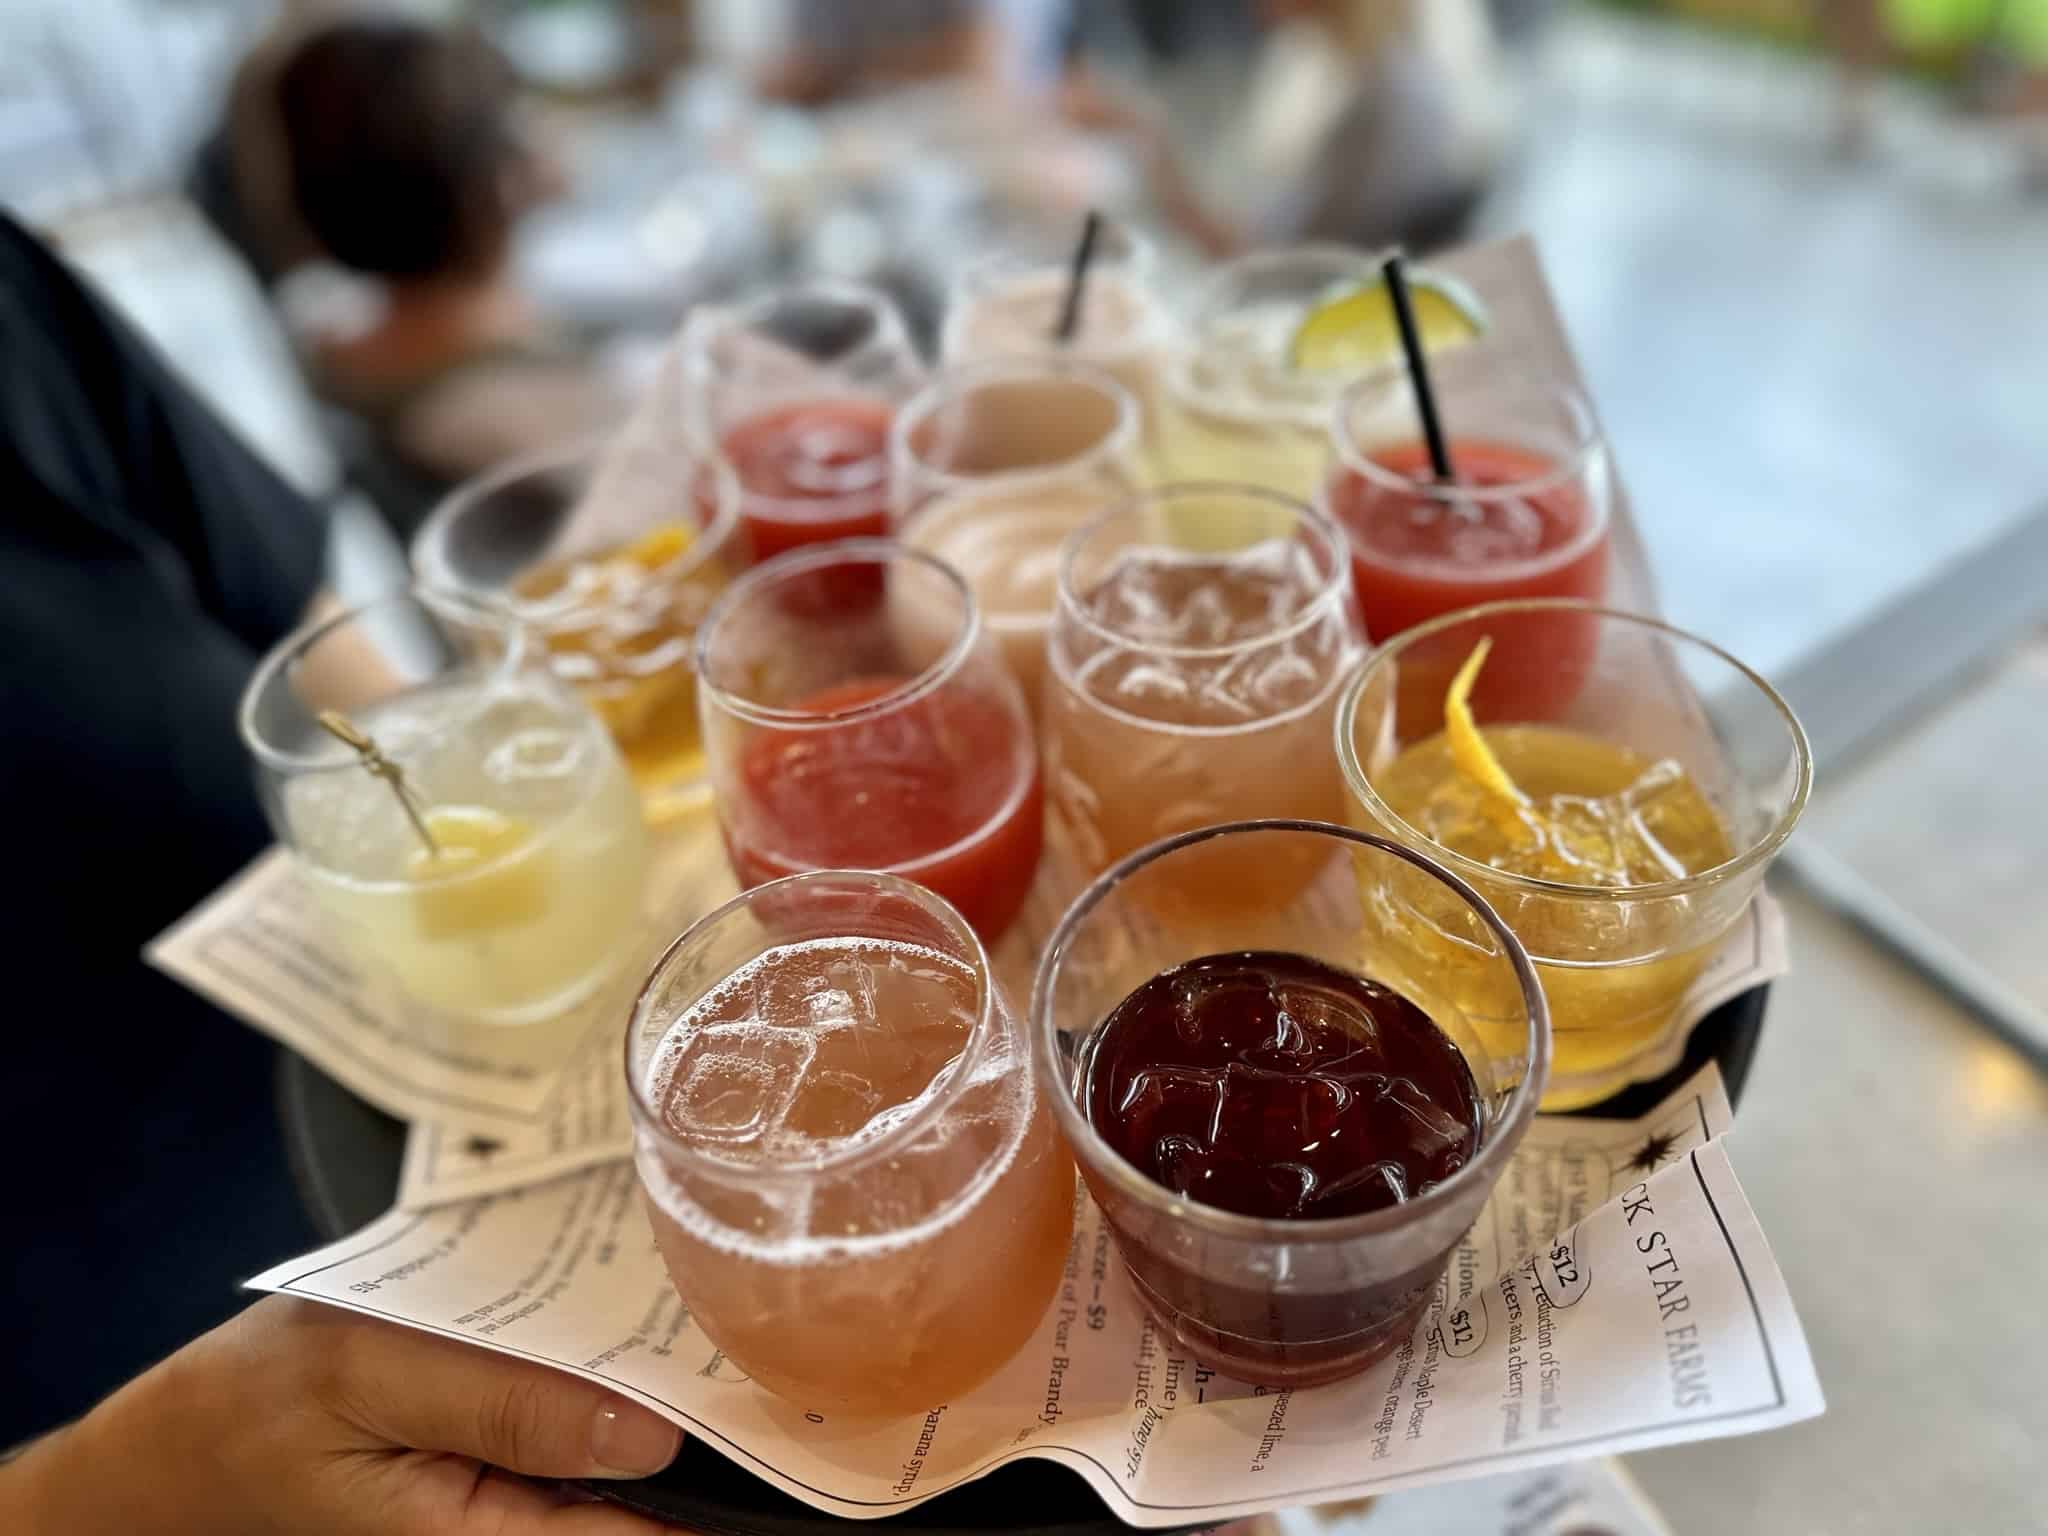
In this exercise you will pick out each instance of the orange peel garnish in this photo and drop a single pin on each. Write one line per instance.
(1469, 751)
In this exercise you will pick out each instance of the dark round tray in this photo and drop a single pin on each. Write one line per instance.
(346, 1155)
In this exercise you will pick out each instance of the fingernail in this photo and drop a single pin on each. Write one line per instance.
(629, 1441)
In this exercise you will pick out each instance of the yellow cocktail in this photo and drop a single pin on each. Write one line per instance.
(1619, 832)
(611, 554)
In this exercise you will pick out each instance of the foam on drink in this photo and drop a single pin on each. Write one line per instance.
(874, 1206)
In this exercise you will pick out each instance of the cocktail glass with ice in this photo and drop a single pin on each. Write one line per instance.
(1286, 1145)
(531, 890)
(850, 1170)
(611, 553)
(1199, 640)
(1635, 814)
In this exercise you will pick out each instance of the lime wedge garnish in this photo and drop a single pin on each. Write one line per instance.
(483, 877)
(1356, 329)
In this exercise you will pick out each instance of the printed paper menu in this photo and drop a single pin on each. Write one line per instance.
(262, 949)
(1616, 1293)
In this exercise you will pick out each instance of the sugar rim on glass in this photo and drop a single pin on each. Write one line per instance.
(1369, 799)
(957, 382)
(1503, 1130)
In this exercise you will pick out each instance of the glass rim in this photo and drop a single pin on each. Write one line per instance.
(796, 562)
(1589, 445)
(1368, 798)
(1487, 1162)
(957, 381)
(745, 312)
(978, 282)
(1278, 258)
(586, 453)
(1330, 591)
(1215, 299)
(891, 334)
(945, 1087)
(461, 606)
(1137, 250)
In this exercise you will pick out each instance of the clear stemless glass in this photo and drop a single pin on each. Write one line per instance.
(611, 553)
(994, 465)
(1297, 1300)
(1526, 514)
(847, 1162)
(796, 391)
(1236, 407)
(1660, 777)
(1200, 637)
(839, 739)
(532, 891)
(1011, 306)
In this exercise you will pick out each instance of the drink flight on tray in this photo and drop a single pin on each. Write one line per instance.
(1265, 637)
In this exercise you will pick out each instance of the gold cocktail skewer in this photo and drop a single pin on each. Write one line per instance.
(345, 730)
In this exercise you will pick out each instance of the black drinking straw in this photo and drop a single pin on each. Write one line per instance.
(1418, 369)
(1077, 278)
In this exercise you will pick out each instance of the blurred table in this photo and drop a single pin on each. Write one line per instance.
(1894, 1137)
(1894, 1151)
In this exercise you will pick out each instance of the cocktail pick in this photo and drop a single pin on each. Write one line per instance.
(346, 731)
(1077, 279)
(1418, 369)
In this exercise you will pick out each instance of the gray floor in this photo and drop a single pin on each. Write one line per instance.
(1894, 1153)
(1821, 379)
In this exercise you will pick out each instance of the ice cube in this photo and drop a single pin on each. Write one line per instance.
(1182, 1164)
(778, 993)
(1204, 618)
(1189, 998)
(1281, 679)
(1226, 689)
(1372, 1187)
(1292, 1184)
(1151, 682)
(1429, 1129)
(736, 1082)
(539, 752)
(832, 1104)
(1191, 1100)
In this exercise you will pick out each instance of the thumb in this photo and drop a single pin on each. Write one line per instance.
(418, 1392)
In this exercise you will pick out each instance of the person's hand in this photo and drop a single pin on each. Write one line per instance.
(296, 1417)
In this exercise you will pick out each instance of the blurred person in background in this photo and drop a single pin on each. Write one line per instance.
(1367, 122)
(832, 49)
(1358, 121)
(380, 166)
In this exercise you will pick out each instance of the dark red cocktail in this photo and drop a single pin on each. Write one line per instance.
(1276, 1085)
(1285, 1135)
